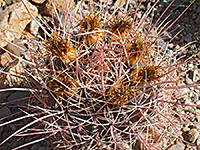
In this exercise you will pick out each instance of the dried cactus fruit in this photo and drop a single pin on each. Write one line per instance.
(60, 47)
(92, 22)
(121, 93)
(62, 85)
(120, 27)
(147, 74)
(137, 48)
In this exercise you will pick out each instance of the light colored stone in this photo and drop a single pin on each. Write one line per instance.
(14, 19)
(59, 4)
(179, 146)
(139, 15)
(198, 102)
(191, 66)
(193, 135)
(188, 80)
(16, 70)
(4, 59)
(119, 3)
(34, 27)
(171, 45)
(198, 118)
(105, 1)
(196, 76)
(125, 145)
(198, 141)
(9, 2)
(38, 1)
(185, 129)
(177, 47)
(16, 47)
(1, 1)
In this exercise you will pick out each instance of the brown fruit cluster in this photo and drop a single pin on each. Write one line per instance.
(62, 85)
(91, 22)
(60, 47)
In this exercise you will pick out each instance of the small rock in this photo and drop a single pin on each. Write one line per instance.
(193, 135)
(4, 112)
(14, 68)
(34, 27)
(196, 76)
(195, 97)
(1, 1)
(191, 21)
(185, 129)
(198, 141)
(179, 146)
(16, 47)
(35, 146)
(118, 137)
(43, 148)
(14, 19)
(5, 59)
(164, 142)
(139, 15)
(188, 38)
(188, 80)
(13, 127)
(171, 45)
(4, 95)
(59, 4)
(198, 19)
(198, 103)
(40, 2)
(119, 3)
(192, 119)
(177, 26)
(197, 125)
(1, 128)
(9, 2)
(182, 40)
(194, 15)
(198, 118)
(28, 35)
(190, 66)
(125, 145)
(177, 47)
(18, 95)
(104, 1)
(186, 20)
(197, 88)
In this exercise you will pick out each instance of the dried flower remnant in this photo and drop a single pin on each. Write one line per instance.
(59, 84)
(121, 93)
(120, 26)
(137, 48)
(146, 74)
(91, 22)
(60, 47)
